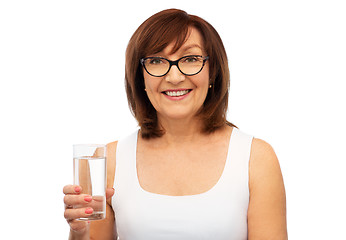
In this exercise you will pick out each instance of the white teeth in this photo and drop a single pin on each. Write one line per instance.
(176, 93)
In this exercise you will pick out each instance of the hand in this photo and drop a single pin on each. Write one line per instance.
(79, 205)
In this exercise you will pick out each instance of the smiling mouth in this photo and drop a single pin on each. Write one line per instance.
(177, 93)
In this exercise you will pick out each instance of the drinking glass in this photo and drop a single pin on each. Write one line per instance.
(89, 172)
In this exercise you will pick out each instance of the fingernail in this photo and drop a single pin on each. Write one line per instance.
(88, 198)
(77, 189)
(89, 211)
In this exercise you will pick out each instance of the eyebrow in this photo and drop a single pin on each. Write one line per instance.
(184, 49)
(188, 47)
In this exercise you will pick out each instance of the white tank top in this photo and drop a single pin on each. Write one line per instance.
(218, 214)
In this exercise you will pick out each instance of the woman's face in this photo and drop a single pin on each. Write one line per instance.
(175, 95)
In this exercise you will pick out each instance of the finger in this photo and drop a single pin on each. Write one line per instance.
(72, 189)
(109, 192)
(72, 200)
(72, 214)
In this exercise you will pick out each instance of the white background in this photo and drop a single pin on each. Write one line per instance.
(62, 82)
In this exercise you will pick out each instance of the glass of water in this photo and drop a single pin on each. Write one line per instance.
(89, 172)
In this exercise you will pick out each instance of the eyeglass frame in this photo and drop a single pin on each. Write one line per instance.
(173, 63)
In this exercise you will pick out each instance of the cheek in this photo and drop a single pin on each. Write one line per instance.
(150, 82)
(152, 90)
(203, 80)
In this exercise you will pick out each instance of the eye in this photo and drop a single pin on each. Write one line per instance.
(155, 61)
(191, 59)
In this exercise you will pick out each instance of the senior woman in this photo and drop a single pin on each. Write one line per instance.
(187, 173)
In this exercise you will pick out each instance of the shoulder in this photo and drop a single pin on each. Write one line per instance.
(262, 158)
(261, 148)
(111, 146)
(267, 206)
(111, 150)
(264, 164)
(111, 162)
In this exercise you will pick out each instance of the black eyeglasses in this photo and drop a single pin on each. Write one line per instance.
(187, 65)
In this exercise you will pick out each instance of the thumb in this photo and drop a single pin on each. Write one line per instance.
(109, 192)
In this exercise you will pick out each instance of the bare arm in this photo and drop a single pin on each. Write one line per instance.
(105, 229)
(267, 206)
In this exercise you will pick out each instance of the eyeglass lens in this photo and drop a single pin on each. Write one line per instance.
(188, 65)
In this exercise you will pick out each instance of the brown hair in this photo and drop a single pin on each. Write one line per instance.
(154, 35)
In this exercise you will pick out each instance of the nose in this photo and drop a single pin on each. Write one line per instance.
(174, 76)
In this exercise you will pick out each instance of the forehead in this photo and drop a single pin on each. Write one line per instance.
(193, 42)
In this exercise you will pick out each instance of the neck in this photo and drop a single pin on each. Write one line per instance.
(180, 131)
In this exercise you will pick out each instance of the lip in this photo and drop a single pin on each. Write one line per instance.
(177, 98)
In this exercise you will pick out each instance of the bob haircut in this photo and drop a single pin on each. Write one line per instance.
(154, 35)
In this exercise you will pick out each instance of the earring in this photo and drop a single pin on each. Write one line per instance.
(210, 86)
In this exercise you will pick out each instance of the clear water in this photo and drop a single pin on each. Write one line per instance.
(90, 174)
